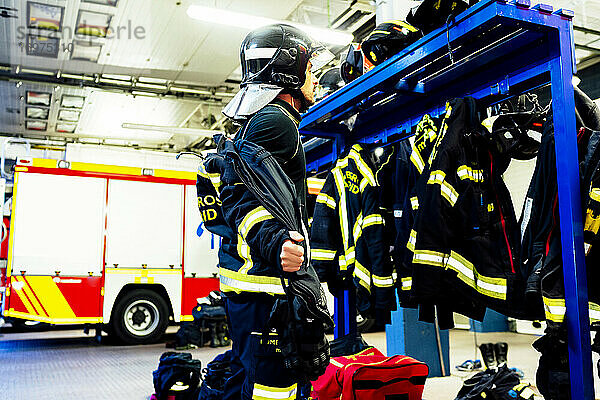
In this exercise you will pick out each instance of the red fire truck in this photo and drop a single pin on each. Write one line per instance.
(99, 244)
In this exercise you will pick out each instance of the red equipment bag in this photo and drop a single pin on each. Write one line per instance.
(369, 375)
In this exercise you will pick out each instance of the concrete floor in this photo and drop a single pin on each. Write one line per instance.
(67, 364)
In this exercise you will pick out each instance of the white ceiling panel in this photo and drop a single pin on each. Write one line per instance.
(105, 112)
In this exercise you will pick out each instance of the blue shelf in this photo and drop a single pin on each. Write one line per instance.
(498, 49)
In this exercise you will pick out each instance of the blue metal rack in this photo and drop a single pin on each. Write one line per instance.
(494, 50)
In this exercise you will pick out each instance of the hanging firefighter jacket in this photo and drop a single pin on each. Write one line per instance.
(348, 248)
(465, 240)
(411, 162)
(540, 224)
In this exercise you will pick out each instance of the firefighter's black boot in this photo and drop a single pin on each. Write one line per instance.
(501, 352)
(487, 353)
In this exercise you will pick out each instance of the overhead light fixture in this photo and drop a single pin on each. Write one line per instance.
(189, 90)
(150, 86)
(250, 22)
(225, 94)
(174, 130)
(37, 72)
(146, 79)
(80, 77)
(114, 81)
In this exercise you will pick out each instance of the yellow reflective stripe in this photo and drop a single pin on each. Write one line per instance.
(414, 202)
(327, 200)
(447, 191)
(416, 159)
(342, 262)
(350, 256)
(466, 272)
(342, 212)
(51, 297)
(322, 254)
(429, 258)
(592, 222)
(595, 194)
(363, 275)
(255, 216)
(373, 219)
(554, 309)
(378, 31)
(412, 240)
(382, 281)
(314, 185)
(406, 283)
(402, 24)
(594, 310)
(357, 231)
(244, 252)
(263, 392)
(362, 165)
(214, 178)
(363, 184)
(232, 281)
(465, 172)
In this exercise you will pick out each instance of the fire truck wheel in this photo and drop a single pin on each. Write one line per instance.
(141, 316)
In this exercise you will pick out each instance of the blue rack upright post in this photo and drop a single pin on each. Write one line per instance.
(494, 50)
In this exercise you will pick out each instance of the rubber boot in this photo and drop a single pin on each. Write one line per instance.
(501, 352)
(487, 353)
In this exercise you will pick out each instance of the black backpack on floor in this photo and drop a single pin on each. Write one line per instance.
(177, 375)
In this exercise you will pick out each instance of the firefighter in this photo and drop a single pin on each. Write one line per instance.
(277, 85)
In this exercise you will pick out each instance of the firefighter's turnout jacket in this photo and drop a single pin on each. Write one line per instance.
(252, 238)
(411, 161)
(465, 240)
(542, 250)
(347, 232)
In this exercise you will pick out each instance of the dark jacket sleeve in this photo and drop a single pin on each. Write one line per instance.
(373, 234)
(325, 233)
(254, 225)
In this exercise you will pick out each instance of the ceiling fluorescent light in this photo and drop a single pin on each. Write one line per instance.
(146, 79)
(188, 90)
(81, 77)
(36, 72)
(249, 22)
(115, 82)
(174, 130)
(150, 86)
(225, 94)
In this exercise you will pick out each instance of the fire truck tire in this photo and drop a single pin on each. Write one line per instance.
(141, 316)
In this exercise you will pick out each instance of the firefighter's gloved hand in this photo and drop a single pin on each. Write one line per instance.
(292, 254)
